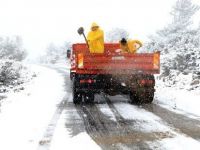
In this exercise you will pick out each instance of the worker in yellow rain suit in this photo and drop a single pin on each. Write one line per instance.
(130, 46)
(96, 39)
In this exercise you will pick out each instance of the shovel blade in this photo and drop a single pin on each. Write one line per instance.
(80, 30)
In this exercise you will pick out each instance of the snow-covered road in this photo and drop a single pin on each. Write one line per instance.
(24, 116)
(44, 117)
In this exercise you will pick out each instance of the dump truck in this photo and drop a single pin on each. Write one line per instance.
(113, 73)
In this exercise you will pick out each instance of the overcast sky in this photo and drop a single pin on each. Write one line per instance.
(40, 22)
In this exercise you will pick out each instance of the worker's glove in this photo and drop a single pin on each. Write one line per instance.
(118, 51)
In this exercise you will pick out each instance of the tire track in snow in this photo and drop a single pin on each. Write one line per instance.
(92, 122)
(110, 134)
(45, 142)
(180, 123)
(140, 136)
(118, 117)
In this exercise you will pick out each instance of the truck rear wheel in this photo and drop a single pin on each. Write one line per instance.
(89, 97)
(77, 96)
(134, 98)
(149, 97)
(142, 97)
(71, 75)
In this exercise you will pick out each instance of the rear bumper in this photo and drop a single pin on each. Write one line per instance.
(116, 71)
(111, 83)
(98, 82)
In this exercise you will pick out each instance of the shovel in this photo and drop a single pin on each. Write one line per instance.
(81, 32)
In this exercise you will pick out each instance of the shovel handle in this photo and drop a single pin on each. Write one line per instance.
(86, 40)
(81, 32)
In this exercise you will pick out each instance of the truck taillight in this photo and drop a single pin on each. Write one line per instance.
(87, 81)
(80, 60)
(156, 60)
(146, 82)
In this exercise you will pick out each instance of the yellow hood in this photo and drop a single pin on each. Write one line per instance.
(94, 25)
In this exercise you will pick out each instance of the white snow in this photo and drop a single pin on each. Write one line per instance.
(177, 143)
(65, 64)
(25, 115)
(13, 74)
(106, 110)
(178, 99)
(146, 121)
(63, 139)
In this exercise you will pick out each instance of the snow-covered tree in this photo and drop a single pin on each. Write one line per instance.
(178, 42)
(12, 48)
(116, 34)
(55, 53)
(12, 72)
(52, 53)
(182, 14)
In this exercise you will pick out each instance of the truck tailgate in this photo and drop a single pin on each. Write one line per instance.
(121, 64)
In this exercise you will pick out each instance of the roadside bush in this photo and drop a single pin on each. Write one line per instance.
(12, 74)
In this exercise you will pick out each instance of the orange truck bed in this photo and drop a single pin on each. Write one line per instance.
(110, 62)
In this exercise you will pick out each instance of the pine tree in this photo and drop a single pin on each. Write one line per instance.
(55, 53)
(178, 42)
(182, 14)
(12, 48)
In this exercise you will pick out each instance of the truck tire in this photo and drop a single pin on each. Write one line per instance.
(89, 97)
(142, 98)
(134, 98)
(149, 97)
(71, 75)
(77, 96)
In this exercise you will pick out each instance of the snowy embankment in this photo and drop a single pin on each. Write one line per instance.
(25, 115)
(13, 75)
(182, 98)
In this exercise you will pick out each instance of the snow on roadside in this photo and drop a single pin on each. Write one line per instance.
(13, 75)
(25, 115)
(177, 143)
(63, 139)
(179, 100)
(63, 64)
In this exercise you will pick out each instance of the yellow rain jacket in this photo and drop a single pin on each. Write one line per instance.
(96, 40)
(131, 46)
